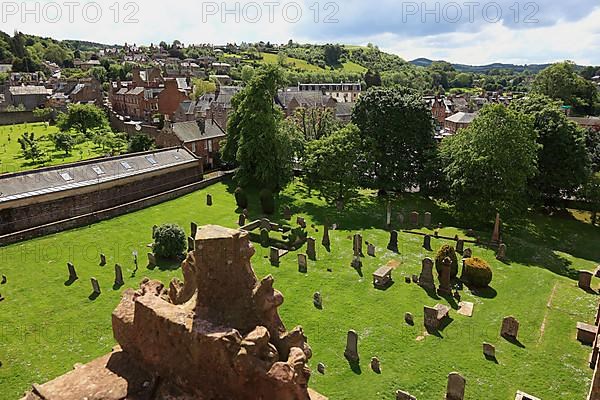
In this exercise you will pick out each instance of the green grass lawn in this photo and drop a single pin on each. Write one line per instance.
(46, 327)
(295, 63)
(11, 159)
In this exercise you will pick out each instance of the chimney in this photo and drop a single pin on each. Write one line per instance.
(201, 124)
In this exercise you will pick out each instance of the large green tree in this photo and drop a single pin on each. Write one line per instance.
(255, 138)
(560, 81)
(489, 164)
(333, 164)
(397, 136)
(82, 118)
(63, 141)
(563, 162)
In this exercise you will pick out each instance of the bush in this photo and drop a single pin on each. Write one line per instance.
(169, 241)
(477, 272)
(447, 251)
(267, 201)
(241, 198)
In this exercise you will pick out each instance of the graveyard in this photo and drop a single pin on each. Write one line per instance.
(536, 283)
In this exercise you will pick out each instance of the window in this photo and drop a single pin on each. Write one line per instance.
(126, 165)
(210, 146)
(194, 147)
(98, 170)
(151, 160)
(66, 176)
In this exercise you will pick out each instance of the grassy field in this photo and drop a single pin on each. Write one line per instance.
(46, 326)
(11, 159)
(302, 65)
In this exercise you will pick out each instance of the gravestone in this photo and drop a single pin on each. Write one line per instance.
(311, 249)
(119, 275)
(456, 387)
(274, 256)
(465, 307)
(193, 229)
(427, 243)
(376, 365)
(356, 263)
(415, 278)
(371, 250)
(326, 242)
(95, 286)
(444, 288)
(460, 246)
(585, 280)
(426, 278)
(409, 319)
(401, 395)
(414, 218)
(407, 279)
(510, 328)
(393, 244)
(242, 220)
(433, 316)
(496, 233)
(468, 253)
(427, 219)
(154, 228)
(246, 212)
(351, 352)
(265, 224)
(321, 368)
(102, 260)
(301, 222)
(287, 213)
(357, 244)
(302, 263)
(4, 280)
(318, 300)
(152, 260)
(501, 252)
(489, 351)
(191, 244)
(72, 273)
(209, 200)
(265, 241)
(524, 396)
(401, 218)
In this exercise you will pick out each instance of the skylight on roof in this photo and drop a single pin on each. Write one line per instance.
(126, 165)
(66, 176)
(98, 170)
(151, 160)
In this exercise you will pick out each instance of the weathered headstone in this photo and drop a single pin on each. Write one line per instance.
(326, 242)
(321, 368)
(265, 240)
(351, 352)
(357, 244)
(287, 213)
(427, 219)
(274, 256)
(376, 365)
(414, 218)
(433, 316)
(456, 387)
(152, 260)
(119, 275)
(489, 351)
(72, 273)
(415, 278)
(445, 288)
(209, 200)
(302, 263)
(409, 319)
(301, 222)
(401, 395)
(371, 250)
(193, 229)
(311, 249)
(246, 212)
(95, 286)
(393, 244)
(468, 253)
(585, 280)
(242, 220)
(401, 218)
(510, 328)
(501, 252)
(465, 308)
(191, 244)
(427, 243)
(426, 278)
(265, 224)
(154, 228)
(496, 233)
(4, 280)
(407, 279)
(318, 300)
(356, 263)
(102, 260)
(460, 246)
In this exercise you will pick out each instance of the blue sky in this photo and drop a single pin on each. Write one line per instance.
(471, 32)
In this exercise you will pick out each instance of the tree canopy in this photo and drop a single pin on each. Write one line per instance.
(82, 118)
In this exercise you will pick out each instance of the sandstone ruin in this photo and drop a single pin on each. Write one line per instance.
(217, 335)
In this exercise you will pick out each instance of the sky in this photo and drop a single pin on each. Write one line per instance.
(467, 32)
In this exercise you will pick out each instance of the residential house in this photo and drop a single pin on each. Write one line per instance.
(31, 97)
(221, 68)
(174, 93)
(459, 121)
(291, 100)
(86, 65)
(590, 123)
(219, 108)
(341, 92)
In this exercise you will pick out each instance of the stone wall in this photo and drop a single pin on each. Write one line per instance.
(19, 117)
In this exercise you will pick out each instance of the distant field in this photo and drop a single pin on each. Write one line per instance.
(269, 58)
(11, 158)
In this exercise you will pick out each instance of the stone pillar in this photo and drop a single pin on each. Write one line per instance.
(445, 274)
(119, 276)
(311, 249)
(72, 273)
(351, 352)
(426, 278)
(326, 242)
(393, 244)
(427, 243)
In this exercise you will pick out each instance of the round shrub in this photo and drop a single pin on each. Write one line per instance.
(241, 198)
(447, 251)
(477, 272)
(169, 241)
(267, 201)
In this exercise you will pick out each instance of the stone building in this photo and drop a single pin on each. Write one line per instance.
(52, 195)
(459, 121)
